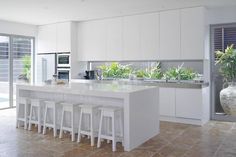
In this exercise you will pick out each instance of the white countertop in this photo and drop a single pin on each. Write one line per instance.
(112, 89)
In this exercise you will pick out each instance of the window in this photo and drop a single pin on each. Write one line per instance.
(223, 37)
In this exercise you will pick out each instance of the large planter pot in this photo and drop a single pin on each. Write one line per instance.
(228, 99)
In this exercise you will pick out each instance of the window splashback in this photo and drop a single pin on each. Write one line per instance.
(195, 65)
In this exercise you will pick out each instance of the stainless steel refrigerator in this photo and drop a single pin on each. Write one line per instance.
(45, 67)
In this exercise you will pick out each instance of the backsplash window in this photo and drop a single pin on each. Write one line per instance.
(186, 70)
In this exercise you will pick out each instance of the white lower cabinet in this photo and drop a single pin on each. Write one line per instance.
(184, 105)
(188, 103)
(167, 101)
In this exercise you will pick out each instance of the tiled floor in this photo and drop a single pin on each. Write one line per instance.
(216, 139)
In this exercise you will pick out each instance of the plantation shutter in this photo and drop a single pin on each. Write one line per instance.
(229, 36)
(223, 37)
(218, 40)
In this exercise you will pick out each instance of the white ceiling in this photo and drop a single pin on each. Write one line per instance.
(39, 12)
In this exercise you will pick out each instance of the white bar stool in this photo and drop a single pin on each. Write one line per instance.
(93, 113)
(114, 114)
(35, 111)
(50, 105)
(70, 108)
(22, 103)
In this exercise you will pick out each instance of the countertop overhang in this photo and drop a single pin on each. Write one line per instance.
(90, 88)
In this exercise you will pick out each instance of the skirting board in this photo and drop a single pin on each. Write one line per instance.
(182, 120)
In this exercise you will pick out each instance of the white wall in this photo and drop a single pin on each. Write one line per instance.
(222, 15)
(7, 27)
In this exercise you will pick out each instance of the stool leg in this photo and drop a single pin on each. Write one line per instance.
(54, 122)
(91, 129)
(39, 120)
(121, 127)
(44, 121)
(113, 134)
(25, 114)
(17, 115)
(62, 119)
(30, 117)
(72, 126)
(108, 127)
(80, 124)
(100, 131)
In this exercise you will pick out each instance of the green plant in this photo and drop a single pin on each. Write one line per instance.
(142, 74)
(26, 60)
(155, 72)
(227, 62)
(115, 70)
(179, 73)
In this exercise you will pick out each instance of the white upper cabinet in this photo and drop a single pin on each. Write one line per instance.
(192, 33)
(54, 38)
(132, 38)
(47, 36)
(92, 40)
(115, 39)
(149, 36)
(64, 37)
(84, 41)
(170, 35)
(188, 103)
(99, 40)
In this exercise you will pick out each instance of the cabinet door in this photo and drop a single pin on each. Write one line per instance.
(192, 33)
(188, 103)
(167, 101)
(115, 39)
(84, 42)
(170, 35)
(92, 41)
(64, 37)
(47, 38)
(132, 38)
(149, 36)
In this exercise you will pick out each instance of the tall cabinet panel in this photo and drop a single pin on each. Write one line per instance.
(149, 36)
(170, 35)
(64, 37)
(132, 38)
(115, 39)
(84, 41)
(47, 36)
(192, 33)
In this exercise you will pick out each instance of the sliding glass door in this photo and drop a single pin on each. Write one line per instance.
(16, 66)
(4, 72)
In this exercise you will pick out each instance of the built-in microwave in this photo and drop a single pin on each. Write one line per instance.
(63, 74)
(63, 60)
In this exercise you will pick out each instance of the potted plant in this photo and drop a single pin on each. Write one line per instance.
(227, 62)
(25, 76)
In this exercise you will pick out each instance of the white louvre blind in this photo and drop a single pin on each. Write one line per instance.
(223, 37)
(230, 36)
(4, 56)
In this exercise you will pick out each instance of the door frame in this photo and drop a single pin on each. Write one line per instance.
(10, 64)
(214, 116)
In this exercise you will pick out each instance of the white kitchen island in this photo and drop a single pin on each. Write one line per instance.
(140, 104)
